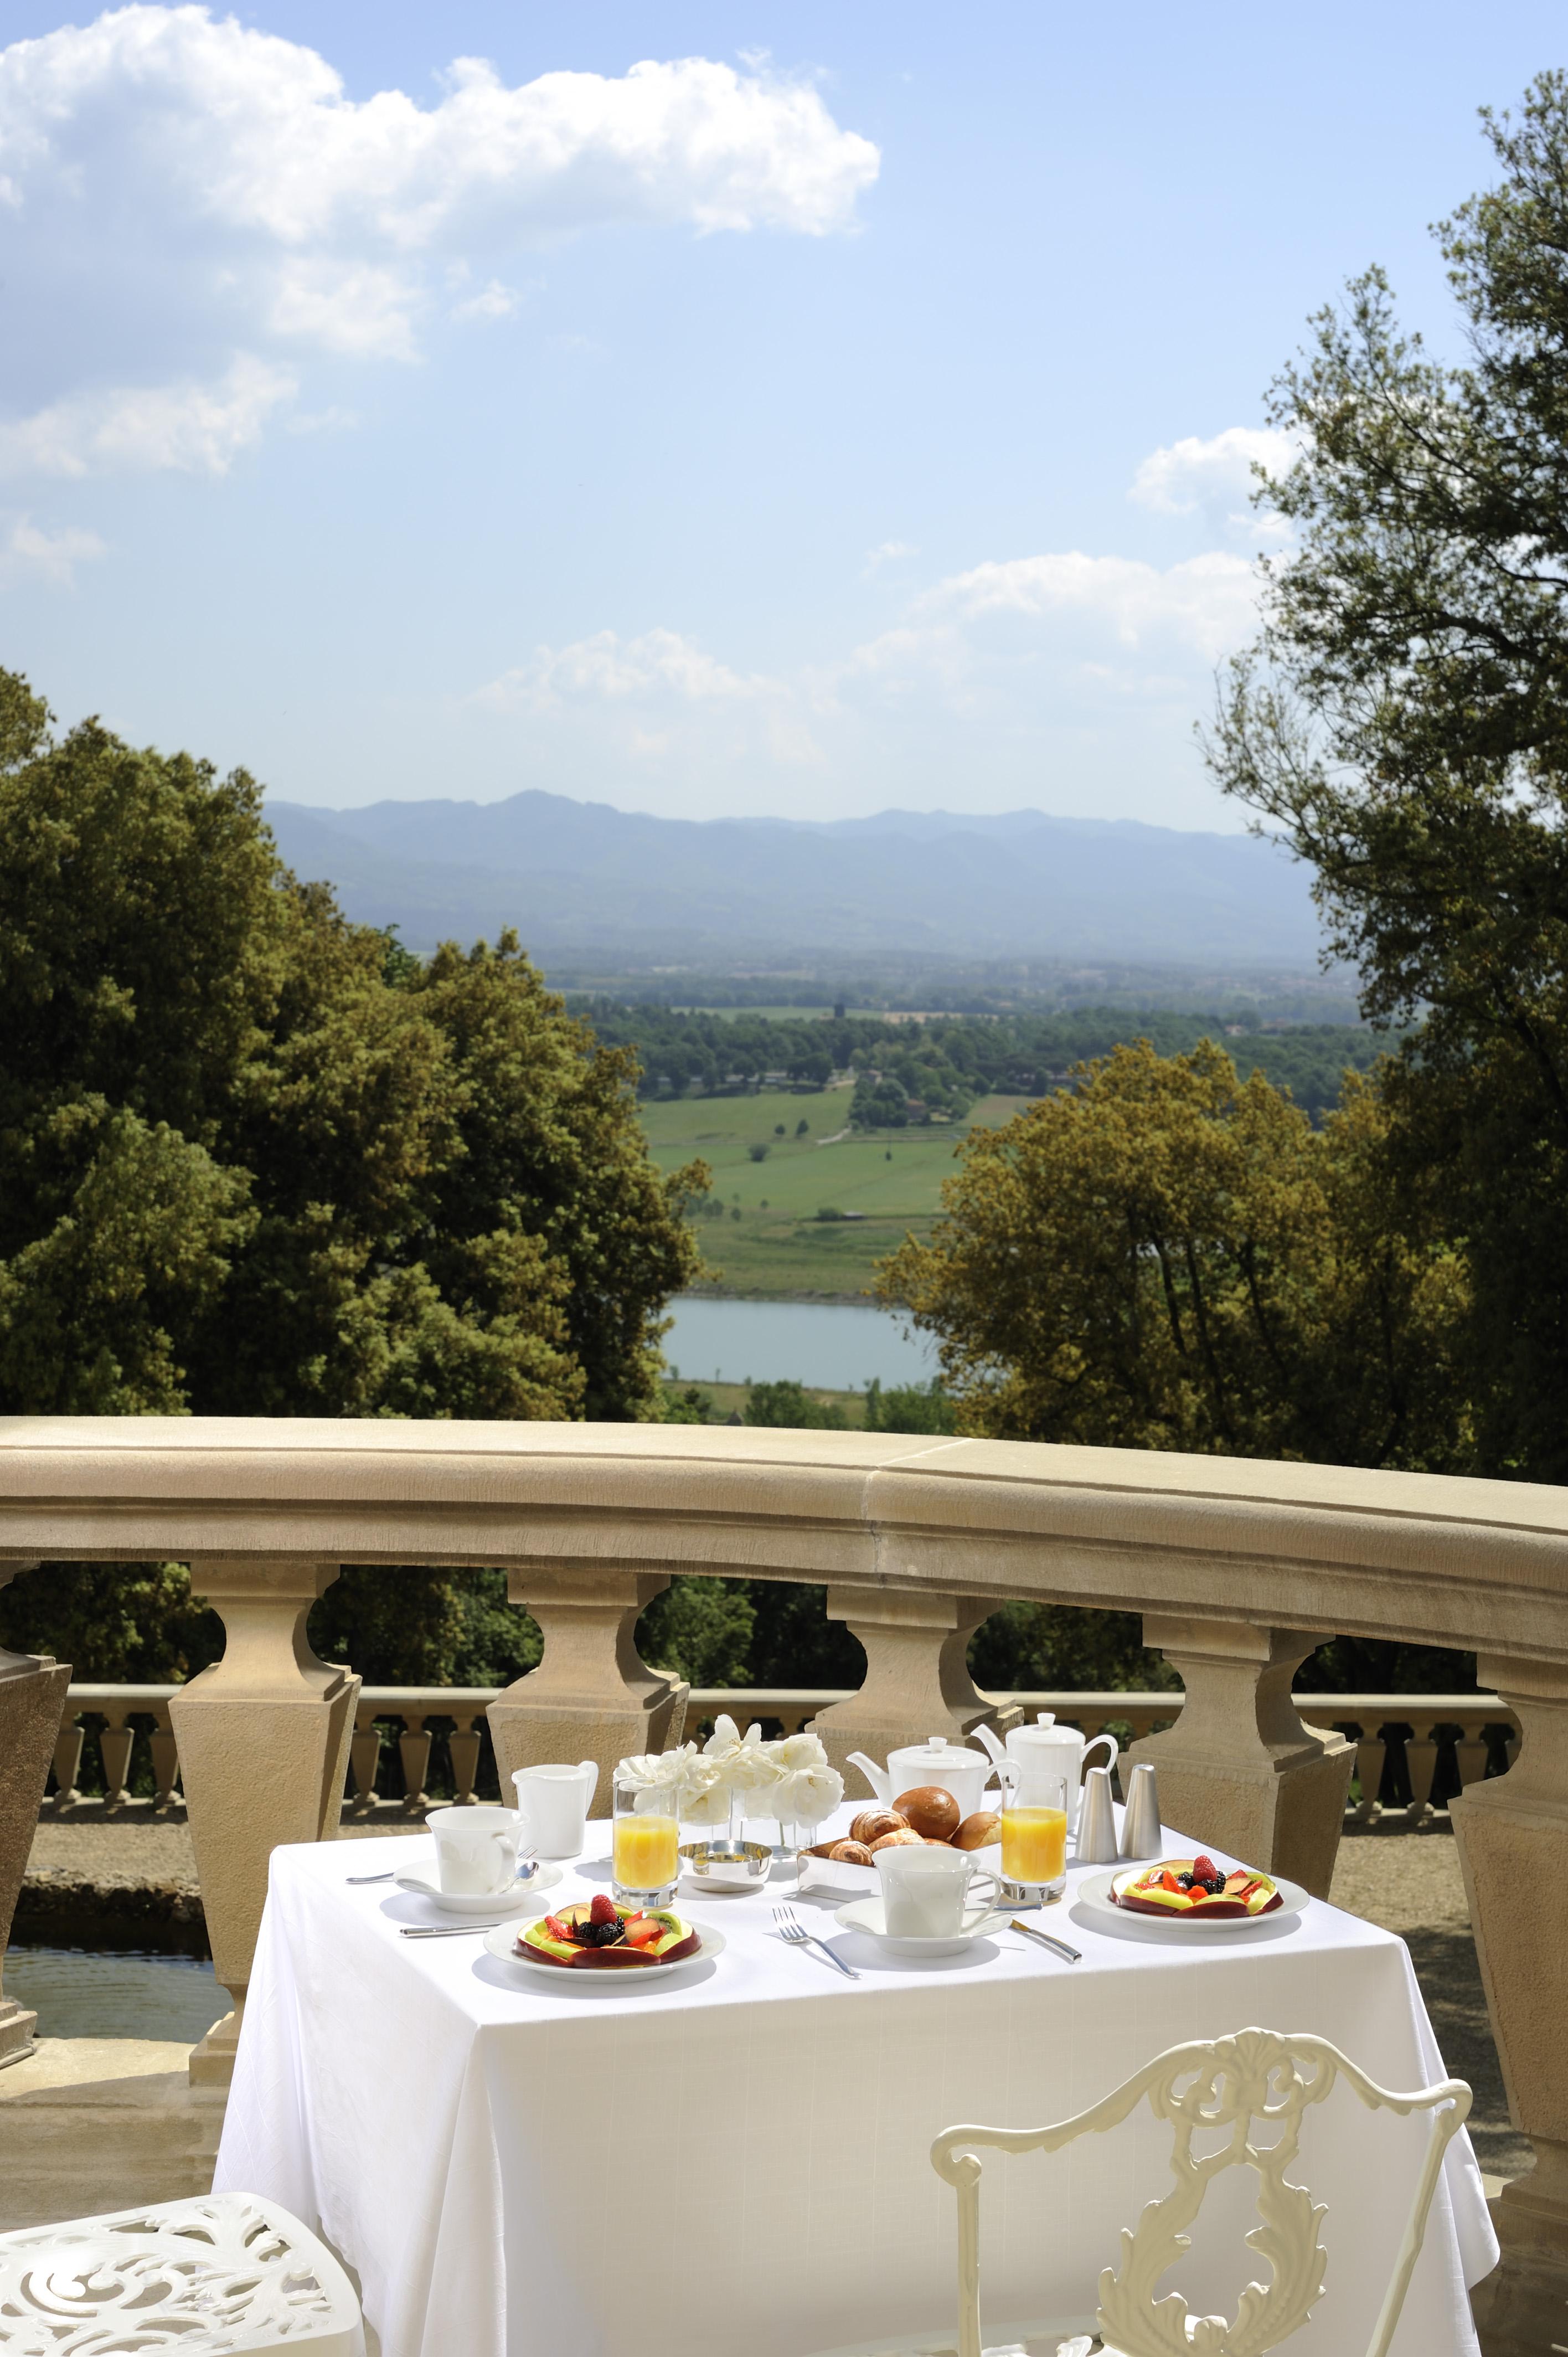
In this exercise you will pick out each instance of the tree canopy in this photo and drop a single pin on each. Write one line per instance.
(254, 1159)
(1402, 720)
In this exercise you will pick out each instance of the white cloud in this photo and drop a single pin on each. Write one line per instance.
(890, 552)
(612, 670)
(1207, 603)
(175, 188)
(196, 428)
(1214, 479)
(29, 553)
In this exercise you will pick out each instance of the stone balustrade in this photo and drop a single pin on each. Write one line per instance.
(1479, 1733)
(1239, 1570)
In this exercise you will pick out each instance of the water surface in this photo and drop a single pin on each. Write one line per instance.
(831, 1345)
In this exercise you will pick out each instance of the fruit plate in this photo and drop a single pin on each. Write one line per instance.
(502, 1942)
(865, 1916)
(516, 1899)
(1096, 1901)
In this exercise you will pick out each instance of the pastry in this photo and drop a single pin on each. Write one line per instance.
(931, 1810)
(850, 1853)
(903, 1837)
(872, 1823)
(976, 1832)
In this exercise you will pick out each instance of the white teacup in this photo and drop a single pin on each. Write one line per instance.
(476, 1850)
(924, 1891)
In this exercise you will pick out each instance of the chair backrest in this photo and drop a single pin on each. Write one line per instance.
(1215, 2085)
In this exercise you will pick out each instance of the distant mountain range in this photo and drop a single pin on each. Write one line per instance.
(583, 879)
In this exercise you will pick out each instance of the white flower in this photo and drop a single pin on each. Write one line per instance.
(790, 1752)
(705, 1792)
(657, 1768)
(806, 1795)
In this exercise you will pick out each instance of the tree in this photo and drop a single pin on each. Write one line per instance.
(254, 1159)
(1167, 1256)
(1402, 721)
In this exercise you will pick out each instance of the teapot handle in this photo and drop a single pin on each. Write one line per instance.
(1115, 1753)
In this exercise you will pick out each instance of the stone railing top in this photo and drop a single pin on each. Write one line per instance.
(1324, 1548)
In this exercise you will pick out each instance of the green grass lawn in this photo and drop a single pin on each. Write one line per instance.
(778, 1246)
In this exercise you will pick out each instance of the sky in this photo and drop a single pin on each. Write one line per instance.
(709, 410)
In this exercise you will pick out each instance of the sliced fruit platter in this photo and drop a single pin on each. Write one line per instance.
(1194, 1889)
(601, 1934)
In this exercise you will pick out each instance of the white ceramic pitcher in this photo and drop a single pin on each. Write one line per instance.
(1060, 1747)
(554, 1803)
(958, 1770)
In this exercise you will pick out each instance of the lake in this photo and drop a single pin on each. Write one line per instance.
(830, 1345)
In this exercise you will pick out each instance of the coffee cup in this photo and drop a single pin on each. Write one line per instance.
(476, 1850)
(925, 1891)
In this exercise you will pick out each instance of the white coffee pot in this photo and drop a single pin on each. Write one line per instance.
(554, 1803)
(1047, 1745)
(958, 1770)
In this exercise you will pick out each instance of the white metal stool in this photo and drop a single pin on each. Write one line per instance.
(217, 2276)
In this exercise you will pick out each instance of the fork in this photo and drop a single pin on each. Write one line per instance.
(798, 1937)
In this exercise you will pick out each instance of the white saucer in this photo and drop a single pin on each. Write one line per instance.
(865, 1916)
(502, 1942)
(513, 1900)
(1095, 1900)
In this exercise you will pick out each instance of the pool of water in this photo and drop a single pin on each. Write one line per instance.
(132, 1994)
(832, 1345)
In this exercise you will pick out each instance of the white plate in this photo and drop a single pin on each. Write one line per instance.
(516, 1897)
(501, 1941)
(1095, 1899)
(865, 1916)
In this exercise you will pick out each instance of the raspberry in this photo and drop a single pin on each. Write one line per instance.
(603, 1909)
(1204, 1869)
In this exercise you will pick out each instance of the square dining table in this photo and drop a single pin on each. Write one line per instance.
(734, 2161)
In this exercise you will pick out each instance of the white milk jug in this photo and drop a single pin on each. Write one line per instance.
(1062, 1749)
(554, 1803)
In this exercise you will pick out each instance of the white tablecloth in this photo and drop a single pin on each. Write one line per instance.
(736, 2159)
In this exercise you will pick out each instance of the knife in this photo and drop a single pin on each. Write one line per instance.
(1060, 1947)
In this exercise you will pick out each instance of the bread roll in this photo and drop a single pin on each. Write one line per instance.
(872, 1823)
(850, 1853)
(902, 1838)
(930, 1809)
(976, 1832)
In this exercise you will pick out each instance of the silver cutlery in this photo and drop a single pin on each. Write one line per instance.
(1060, 1948)
(370, 1877)
(448, 1930)
(798, 1937)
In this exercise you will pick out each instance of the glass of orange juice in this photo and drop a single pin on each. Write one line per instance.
(645, 1842)
(1034, 1833)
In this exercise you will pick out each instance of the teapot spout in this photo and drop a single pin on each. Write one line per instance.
(991, 1740)
(878, 1778)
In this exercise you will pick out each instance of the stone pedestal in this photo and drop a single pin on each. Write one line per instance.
(32, 1701)
(263, 1748)
(592, 1696)
(916, 1681)
(1240, 1769)
(1512, 1833)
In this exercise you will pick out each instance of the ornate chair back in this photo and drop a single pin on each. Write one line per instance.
(1214, 2085)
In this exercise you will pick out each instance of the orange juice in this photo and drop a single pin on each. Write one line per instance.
(646, 1852)
(1034, 1845)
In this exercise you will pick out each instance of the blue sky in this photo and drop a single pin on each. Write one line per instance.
(851, 408)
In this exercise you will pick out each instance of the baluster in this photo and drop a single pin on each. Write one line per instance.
(414, 1750)
(1421, 1764)
(463, 1746)
(1371, 1751)
(592, 1696)
(1470, 1753)
(1240, 1768)
(1512, 1837)
(165, 1757)
(117, 1741)
(365, 1757)
(917, 1680)
(264, 1744)
(32, 1697)
(67, 1761)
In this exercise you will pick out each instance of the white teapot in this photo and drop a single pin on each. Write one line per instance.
(958, 1770)
(1062, 1749)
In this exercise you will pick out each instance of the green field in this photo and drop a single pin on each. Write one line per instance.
(778, 1246)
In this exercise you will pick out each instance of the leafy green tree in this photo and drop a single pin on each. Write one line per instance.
(789, 1405)
(910, 1407)
(1402, 722)
(1166, 1257)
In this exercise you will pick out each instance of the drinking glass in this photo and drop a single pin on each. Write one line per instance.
(1034, 1831)
(645, 1842)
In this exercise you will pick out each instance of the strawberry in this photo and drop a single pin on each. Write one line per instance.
(1204, 1869)
(603, 1909)
(556, 1929)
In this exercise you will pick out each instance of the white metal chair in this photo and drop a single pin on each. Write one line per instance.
(226, 2273)
(1213, 2084)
